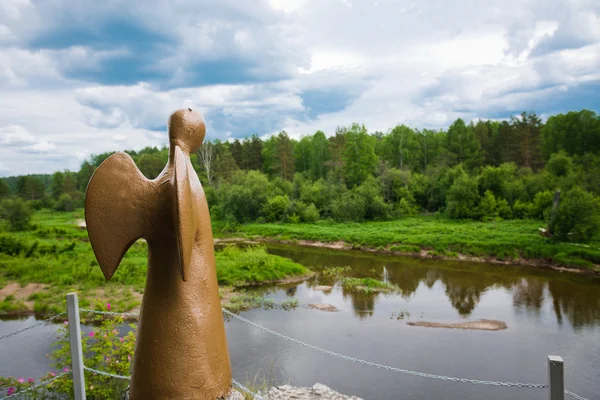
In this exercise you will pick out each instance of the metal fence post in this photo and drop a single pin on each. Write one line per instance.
(556, 383)
(75, 341)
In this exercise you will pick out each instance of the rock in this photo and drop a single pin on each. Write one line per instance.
(323, 307)
(317, 392)
(233, 395)
(322, 288)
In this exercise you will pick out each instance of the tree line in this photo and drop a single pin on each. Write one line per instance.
(480, 170)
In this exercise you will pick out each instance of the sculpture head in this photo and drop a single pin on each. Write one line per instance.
(186, 130)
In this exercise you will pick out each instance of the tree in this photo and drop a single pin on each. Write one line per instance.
(237, 152)
(359, 156)
(577, 217)
(528, 131)
(302, 154)
(462, 197)
(402, 147)
(462, 145)
(319, 154)
(336, 150)
(206, 154)
(56, 187)
(225, 166)
(284, 156)
(4, 188)
(151, 164)
(30, 188)
(16, 212)
(576, 133)
(84, 175)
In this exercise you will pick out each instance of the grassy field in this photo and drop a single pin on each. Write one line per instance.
(516, 240)
(39, 266)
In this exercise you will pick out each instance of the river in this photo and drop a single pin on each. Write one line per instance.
(547, 313)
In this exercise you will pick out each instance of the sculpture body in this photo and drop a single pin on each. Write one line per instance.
(181, 349)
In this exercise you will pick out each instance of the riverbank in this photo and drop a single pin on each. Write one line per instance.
(39, 266)
(506, 242)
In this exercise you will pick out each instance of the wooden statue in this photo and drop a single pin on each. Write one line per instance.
(181, 349)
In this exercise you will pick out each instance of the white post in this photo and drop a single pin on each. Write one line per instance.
(75, 341)
(556, 378)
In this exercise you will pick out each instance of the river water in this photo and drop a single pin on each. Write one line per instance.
(547, 313)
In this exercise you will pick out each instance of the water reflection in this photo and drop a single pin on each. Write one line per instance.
(573, 297)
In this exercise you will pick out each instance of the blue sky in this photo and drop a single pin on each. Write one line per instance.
(83, 77)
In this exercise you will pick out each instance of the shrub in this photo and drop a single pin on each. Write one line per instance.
(349, 207)
(541, 206)
(65, 203)
(16, 212)
(487, 208)
(275, 208)
(462, 197)
(577, 217)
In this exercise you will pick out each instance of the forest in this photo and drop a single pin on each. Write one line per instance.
(520, 168)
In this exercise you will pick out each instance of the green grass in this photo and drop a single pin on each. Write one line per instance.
(366, 285)
(505, 240)
(57, 253)
(251, 265)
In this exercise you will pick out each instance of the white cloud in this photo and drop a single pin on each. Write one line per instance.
(298, 65)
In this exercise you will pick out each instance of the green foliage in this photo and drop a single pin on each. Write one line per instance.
(487, 208)
(366, 285)
(560, 164)
(4, 188)
(541, 206)
(64, 203)
(239, 267)
(358, 155)
(349, 207)
(462, 198)
(275, 208)
(16, 212)
(577, 217)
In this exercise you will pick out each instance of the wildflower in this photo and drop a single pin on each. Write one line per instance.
(128, 357)
(11, 390)
(122, 339)
(52, 374)
(30, 380)
(66, 322)
(115, 331)
(66, 369)
(21, 380)
(91, 334)
(91, 387)
(108, 306)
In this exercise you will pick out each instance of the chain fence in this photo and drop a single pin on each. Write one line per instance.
(44, 322)
(34, 387)
(290, 339)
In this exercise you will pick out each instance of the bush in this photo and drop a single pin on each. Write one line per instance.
(577, 217)
(462, 197)
(487, 209)
(16, 212)
(349, 207)
(65, 203)
(541, 206)
(276, 208)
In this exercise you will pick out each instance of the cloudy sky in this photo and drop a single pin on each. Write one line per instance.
(87, 76)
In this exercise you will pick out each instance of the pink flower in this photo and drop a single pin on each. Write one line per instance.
(21, 380)
(91, 334)
(30, 380)
(122, 339)
(128, 357)
(52, 374)
(11, 390)
(108, 306)
(66, 369)
(115, 331)
(66, 322)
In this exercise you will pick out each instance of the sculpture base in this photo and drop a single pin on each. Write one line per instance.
(233, 395)
(317, 392)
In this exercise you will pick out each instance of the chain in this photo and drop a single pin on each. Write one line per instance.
(44, 322)
(245, 389)
(575, 396)
(109, 313)
(385, 367)
(110, 375)
(39, 385)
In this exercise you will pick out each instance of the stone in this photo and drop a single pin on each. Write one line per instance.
(317, 392)
(323, 288)
(323, 307)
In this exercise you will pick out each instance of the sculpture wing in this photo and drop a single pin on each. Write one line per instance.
(186, 218)
(119, 201)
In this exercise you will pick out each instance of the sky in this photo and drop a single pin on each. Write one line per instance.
(83, 77)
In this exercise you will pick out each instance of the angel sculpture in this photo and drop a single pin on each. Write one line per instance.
(181, 348)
